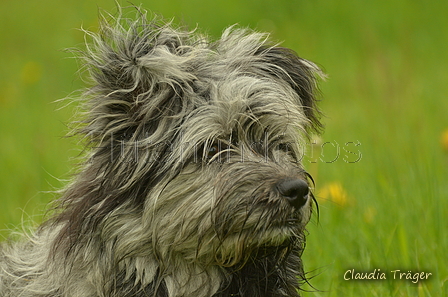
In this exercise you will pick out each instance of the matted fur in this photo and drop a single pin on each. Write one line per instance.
(187, 142)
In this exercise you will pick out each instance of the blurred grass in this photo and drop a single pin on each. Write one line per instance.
(387, 90)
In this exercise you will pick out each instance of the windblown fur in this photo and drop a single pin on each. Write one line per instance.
(193, 183)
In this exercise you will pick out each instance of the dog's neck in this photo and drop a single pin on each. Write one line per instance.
(274, 273)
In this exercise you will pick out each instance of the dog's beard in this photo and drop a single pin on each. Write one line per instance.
(224, 214)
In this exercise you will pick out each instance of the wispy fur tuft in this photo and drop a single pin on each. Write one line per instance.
(193, 185)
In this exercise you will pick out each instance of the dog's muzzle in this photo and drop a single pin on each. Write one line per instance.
(295, 191)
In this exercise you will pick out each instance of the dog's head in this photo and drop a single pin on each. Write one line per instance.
(196, 145)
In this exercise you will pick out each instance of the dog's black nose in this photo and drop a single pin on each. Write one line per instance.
(295, 191)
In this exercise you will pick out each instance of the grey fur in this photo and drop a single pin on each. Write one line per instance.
(183, 191)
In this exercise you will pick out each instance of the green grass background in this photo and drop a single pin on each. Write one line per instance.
(387, 63)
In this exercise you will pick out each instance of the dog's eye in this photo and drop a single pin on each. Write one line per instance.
(284, 147)
(212, 150)
(288, 149)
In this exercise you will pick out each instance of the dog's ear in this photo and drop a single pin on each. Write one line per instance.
(302, 75)
(140, 72)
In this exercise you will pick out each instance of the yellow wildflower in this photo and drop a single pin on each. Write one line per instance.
(334, 192)
(444, 140)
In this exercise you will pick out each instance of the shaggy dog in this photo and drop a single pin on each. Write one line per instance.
(192, 183)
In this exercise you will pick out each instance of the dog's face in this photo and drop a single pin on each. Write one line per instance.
(196, 149)
(240, 184)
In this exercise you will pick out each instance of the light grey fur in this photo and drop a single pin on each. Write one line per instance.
(186, 140)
